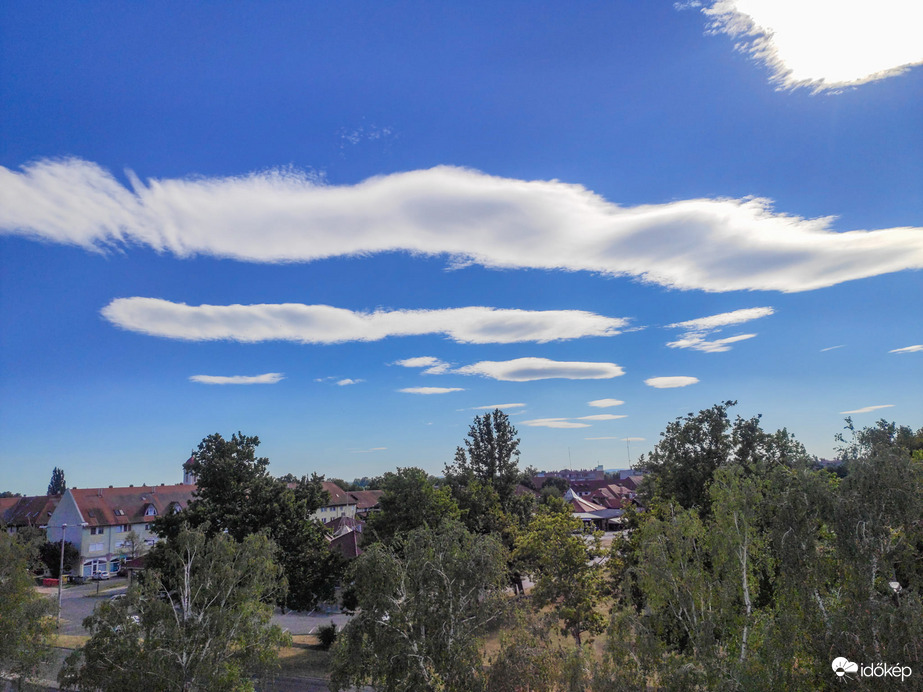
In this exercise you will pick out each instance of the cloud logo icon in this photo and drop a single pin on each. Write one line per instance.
(842, 665)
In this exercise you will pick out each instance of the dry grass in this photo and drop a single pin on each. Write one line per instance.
(69, 641)
(305, 658)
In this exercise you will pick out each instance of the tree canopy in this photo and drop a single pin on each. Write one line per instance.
(57, 485)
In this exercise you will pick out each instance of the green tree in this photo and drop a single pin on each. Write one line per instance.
(567, 574)
(410, 499)
(50, 554)
(132, 546)
(25, 616)
(201, 622)
(237, 495)
(57, 485)
(490, 455)
(424, 605)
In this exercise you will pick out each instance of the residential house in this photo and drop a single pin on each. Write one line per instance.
(35, 510)
(340, 504)
(367, 501)
(592, 514)
(98, 520)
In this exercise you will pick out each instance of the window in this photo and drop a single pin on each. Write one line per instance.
(96, 547)
(123, 528)
(96, 530)
(119, 512)
(147, 527)
(150, 541)
(150, 511)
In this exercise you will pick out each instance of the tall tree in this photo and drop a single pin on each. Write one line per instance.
(424, 605)
(57, 485)
(25, 616)
(50, 554)
(237, 495)
(490, 455)
(410, 500)
(202, 623)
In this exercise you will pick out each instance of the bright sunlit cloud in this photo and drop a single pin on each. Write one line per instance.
(496, 406)
(670, 382)
(561, 423)
(605, 403)
(323, 324)
(529, 369)
(602, 416)
(908, 349)
(868, 409)
(348, 381)
(433, 366)
(267, 378)
(697, 330)
(824, 44)
(465, 215)
(431, 390)
(831, 348)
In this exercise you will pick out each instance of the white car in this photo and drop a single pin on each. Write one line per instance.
(100, 576)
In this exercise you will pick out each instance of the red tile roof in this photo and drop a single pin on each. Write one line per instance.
(365, 499)
(34, 510)
(338, 496)
(114, 506)
(347, 545)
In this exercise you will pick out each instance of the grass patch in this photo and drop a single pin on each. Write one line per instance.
(70, 641)
(305, 658)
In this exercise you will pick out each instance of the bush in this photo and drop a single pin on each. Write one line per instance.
(327, 634)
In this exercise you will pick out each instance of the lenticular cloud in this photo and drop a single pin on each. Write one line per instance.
(470, 217)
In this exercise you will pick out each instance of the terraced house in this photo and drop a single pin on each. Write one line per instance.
(99, 520)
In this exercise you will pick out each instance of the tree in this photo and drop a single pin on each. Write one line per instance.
(50, 554)
(490, 455)
(132, 546)
(410, 500)
(25, 616)
(567, 575)
(201, 622)
(57, 485)
(237, 495)
(424, 605)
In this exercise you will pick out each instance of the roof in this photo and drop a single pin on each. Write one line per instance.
(6, 504)
(347, 544)
(581, 505)
(34, 510)
(338, 496)
(342, 524)
(524, 490)
(365, 499)
(114, 506)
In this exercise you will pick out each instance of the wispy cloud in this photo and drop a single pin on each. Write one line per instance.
(670, 382)
(323, 324)
(908, 349)
(698, 330)
(605, 403)
(267, 378)
(823, 45)
(285, 216)
(831, 348)
(433, 366)
(602, 416)
(495, 406)
(431, 390)
(563, 423)
(348, 381)
(368, 451)
(529, 369)
(868, 409)
(632, 439)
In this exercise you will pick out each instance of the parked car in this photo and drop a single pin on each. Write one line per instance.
(100, 576)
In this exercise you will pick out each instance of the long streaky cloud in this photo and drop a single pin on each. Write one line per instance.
(724, 319)
(824, 44)
(530, 369)
(605, 403)
(323, 324)
(496, 406)
(560, 423)
(267, 378)
(430, 390)
(908, 349)
(465, 215)
(670, 382)
(868, 409)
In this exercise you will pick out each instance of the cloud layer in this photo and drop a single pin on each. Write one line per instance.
(670, 382)
(286, 216)
(323, 324)
(868, 409)
(267, 378)
(826, 44)
(529, 369)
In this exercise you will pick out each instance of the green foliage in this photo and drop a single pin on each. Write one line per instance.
(567, 576)
(237, 495)
(201, 622)
(490, 455)
(50, 555)
(410, 500)
(424, 605)
(57, 485)
(327, 635)
(25, 616)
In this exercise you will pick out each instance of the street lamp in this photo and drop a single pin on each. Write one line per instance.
(60, 576)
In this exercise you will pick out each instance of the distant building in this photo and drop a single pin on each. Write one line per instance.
(21, 512)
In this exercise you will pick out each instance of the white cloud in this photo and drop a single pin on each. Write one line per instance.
(564, 423)
(670, 382)
(601, 416)
(323, 324)
(430, 390)
(495, 406)
(529, 369)
(348, 381)
(268, 378)
(868, 409)
(831, 348)
(433, 366)
(908, 349)
(285, 216)
(697, 330)
(632, 439)
(824, 44)
(605, 403)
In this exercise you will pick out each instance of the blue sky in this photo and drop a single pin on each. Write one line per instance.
(349, 227)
